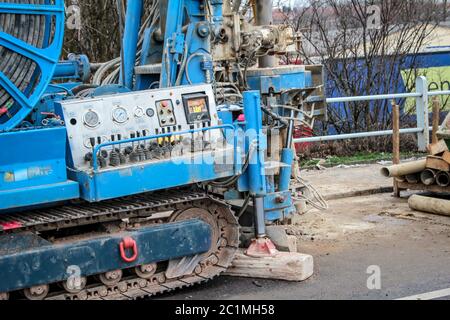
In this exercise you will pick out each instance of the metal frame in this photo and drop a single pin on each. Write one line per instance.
(46, 58)
(423, 123)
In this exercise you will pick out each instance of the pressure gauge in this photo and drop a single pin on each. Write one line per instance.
(120, 115)
(139, 112)
(91, 119)
(150, 112)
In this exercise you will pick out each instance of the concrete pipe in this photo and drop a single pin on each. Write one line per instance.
(412, 178)
(443, 179)
(428, 177)
(430, 205)
(404, 169)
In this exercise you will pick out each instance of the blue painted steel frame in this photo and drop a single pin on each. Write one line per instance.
(281, 82)
(177, 45)
(278, 204)
(33, 168)
(45, 58)
(130, 41)
(27, 260)
(255, 137)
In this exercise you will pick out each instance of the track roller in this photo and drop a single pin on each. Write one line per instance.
(37, 293)
(111, 278)
(146, 271)
(225, 241)
(75, 285)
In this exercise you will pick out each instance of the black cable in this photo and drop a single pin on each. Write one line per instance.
(20, 70)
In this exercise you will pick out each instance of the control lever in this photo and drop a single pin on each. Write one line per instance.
(114, 158)
(123, 158)
(140, 154)
(89, 157)
(134, 156)
(147, 152)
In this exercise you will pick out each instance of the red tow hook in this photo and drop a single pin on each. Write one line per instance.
(128, 243)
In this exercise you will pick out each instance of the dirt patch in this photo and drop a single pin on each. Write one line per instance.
(364, 219)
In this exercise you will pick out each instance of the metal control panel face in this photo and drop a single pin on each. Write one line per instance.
(133, 115)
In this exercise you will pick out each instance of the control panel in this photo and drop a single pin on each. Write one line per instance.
(120, 117)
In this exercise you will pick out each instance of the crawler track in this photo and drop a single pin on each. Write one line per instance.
(182, 203)
(82, 213)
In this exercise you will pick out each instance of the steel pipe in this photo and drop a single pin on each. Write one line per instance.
(264, 17)
(260, 218)
(130, 41)
(357, 135)
(395, 96)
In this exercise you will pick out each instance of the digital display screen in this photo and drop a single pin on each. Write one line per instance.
(197, 105)
(197, 108)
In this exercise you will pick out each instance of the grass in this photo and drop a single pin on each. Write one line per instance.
(358, 158)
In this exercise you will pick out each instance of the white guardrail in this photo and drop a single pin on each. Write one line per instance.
(422, 111)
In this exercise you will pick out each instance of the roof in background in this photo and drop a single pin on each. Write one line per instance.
(439, 40)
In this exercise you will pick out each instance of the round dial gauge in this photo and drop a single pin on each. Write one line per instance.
(138, 112)
(120, 115)
(150, 112)
(91, 119)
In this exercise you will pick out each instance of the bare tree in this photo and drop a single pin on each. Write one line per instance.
(100, 33)
(99, 36)
(363, 45)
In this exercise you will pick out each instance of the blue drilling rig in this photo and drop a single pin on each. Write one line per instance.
(121, 178)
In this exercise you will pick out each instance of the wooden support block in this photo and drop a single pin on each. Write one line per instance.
(446, 157)
(437, 163)
(438, 148)
(285, 266)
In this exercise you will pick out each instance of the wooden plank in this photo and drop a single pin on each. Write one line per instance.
(436, 118)
(396, 141)
(438, 148)
(294, 267)
(446, 156)
(422, 187)
(437, 163)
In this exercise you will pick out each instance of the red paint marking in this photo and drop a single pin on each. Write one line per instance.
(261, 248)
(10, 225)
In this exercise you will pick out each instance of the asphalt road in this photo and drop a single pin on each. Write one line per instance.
(411, 251)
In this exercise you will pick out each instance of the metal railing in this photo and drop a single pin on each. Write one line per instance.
(422, 111)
